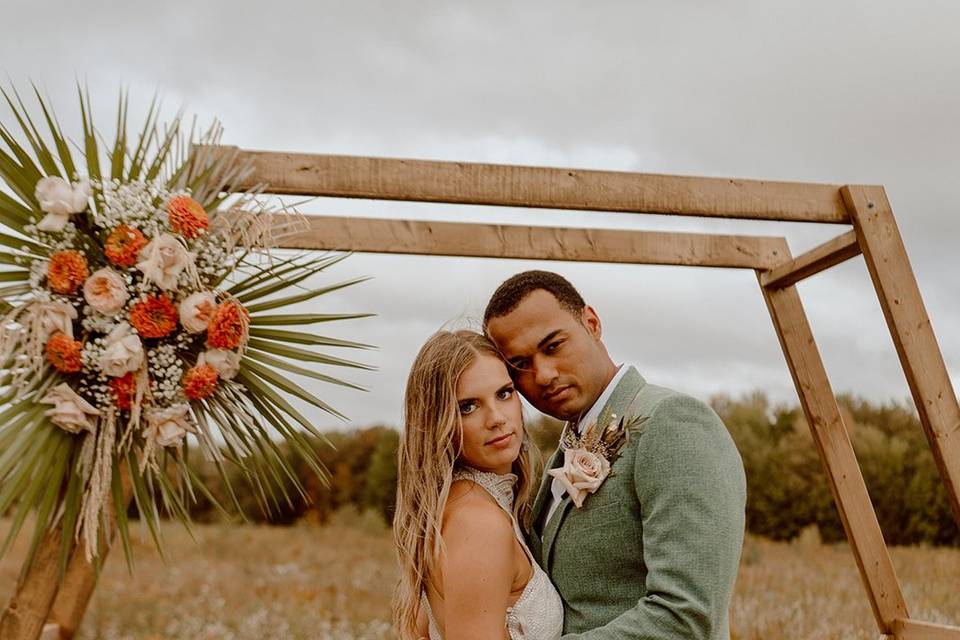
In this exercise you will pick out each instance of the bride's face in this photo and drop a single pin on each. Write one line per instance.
(491, 416)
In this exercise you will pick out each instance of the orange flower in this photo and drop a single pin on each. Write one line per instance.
(187, 216)
(67, 271)
(123, 245)
(124, 389)
(154, 316)
(63, 352)
(228, 326)
(199, 381)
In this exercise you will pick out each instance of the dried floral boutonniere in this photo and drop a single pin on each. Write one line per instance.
(587, 457)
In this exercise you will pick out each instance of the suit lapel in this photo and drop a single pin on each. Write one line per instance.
(552, 528)
(622, 396)
(621, 401)
(539, 504)
(543, 494)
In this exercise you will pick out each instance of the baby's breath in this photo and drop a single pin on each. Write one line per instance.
(167, 370)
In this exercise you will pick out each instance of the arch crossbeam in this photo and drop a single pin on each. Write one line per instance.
(541, 187)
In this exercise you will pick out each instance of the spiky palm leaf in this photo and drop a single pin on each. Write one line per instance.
(239, 424)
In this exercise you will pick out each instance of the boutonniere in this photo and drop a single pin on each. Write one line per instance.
(587, 457)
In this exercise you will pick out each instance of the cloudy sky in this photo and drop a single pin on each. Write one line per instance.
(838, 91)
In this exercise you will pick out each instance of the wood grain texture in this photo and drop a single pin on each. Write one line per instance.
(829, 254)
(80, 579)
(26, 613)
(40, 597)
(910, 328)
(836, 451)
(541, 187)
(917, 630)
(377, 235)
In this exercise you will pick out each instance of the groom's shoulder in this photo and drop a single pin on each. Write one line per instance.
(653, 398)
(658, 405)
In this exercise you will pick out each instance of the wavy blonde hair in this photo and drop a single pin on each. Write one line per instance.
(429, 451)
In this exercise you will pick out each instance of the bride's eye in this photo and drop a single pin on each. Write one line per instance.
(505, 393)
(467, 407)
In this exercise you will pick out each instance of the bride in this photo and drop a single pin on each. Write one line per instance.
(464, 488)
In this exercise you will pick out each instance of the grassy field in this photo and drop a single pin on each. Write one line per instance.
(255, 582)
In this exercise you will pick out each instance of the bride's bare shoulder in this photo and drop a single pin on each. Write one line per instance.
(471, 510)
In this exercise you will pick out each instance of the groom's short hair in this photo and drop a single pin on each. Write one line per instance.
(514, 289)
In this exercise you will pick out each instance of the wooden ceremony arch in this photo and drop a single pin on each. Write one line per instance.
(874, 234)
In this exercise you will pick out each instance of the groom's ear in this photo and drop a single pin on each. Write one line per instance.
(591, 322)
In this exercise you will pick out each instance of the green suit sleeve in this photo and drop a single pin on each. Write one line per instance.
(691, 489)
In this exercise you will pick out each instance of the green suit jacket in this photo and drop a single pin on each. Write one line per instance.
(654, 553)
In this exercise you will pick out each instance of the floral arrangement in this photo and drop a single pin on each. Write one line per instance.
(587, 456)
(137, 307)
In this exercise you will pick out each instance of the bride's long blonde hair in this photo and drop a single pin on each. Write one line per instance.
(429, 449)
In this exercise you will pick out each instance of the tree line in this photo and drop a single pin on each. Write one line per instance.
(787, 488)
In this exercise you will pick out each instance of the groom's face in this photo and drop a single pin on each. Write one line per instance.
(556, 359)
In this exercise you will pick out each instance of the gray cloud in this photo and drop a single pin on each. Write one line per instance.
(843, 92)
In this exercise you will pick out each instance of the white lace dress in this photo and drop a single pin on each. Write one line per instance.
(538, 613)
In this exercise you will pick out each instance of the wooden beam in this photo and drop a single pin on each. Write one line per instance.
(833, 443)
(40, 601)
(911, 330)
(827, 255)
(80, 578)
(378, 235)
(541, 187)
(916, 630)
(26, 613)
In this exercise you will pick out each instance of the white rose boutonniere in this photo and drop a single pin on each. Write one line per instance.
(587, 457)
(582, 472)
(58, 199)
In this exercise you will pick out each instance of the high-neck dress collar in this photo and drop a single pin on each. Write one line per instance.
(500, 486)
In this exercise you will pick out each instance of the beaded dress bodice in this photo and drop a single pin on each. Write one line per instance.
(538, 612)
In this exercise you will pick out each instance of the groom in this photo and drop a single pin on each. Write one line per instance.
(653, 552)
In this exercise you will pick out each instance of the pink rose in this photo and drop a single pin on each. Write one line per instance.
(70, 412)
(106, 291)
(58, 199)
(196, 310)
(52, 316)
(163, 260)
(227, 363)
(167, 427)
(582, 472)
(123, 351)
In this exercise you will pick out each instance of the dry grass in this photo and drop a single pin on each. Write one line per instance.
(334, 582)
(809, 590)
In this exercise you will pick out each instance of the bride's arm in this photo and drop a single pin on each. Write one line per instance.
(423, 625)
(477, 571)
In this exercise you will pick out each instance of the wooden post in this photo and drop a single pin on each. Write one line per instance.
(26, 613)
(80, 579)
(910, 328)
(812, 262)
(833, 442)
(917, 630)
(40, 597)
